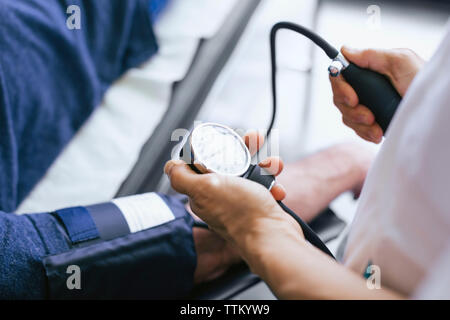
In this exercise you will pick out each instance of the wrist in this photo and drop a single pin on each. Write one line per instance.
(270, 247)
(257, 239)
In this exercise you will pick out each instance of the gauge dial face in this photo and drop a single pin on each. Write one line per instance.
(219, 149)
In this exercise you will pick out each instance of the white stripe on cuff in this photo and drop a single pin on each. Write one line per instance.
(144, 211)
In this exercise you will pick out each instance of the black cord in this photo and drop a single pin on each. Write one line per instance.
(309, 234)
(331, 52)
(324, 45)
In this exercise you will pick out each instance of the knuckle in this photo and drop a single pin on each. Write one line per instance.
(175, 179)
(362, 135)
(364, 130)
(405, 53)
(352, 112)
(337, 101)
(206, 189)
(345, 121)
(348, 113)
(397, 56)
(359, 114)
(175, 174)
(349, 122)
(354, 117)
(210, 182)
(369, 53)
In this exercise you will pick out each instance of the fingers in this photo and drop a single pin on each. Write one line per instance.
(374, 59)
(343, 93)
(278, 192)
(359, 115)
(354, 115)
(182, 177)
(273, 165)
(254, 141)
(372, 133)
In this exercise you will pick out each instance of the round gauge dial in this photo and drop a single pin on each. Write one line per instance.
(219, 149)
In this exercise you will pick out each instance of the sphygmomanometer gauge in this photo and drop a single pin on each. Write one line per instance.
(218, 148)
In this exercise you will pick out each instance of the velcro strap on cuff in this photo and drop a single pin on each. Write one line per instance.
(78, 223)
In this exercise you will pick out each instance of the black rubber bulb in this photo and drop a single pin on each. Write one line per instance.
(375, 91)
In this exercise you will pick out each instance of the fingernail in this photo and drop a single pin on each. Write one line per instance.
(374, 137)
(278, 192)
(265, 163)
(281, 187)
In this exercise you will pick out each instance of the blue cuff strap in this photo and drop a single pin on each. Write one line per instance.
(109, 220)
(78, 223)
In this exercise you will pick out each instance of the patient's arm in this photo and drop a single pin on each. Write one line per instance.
(137, 247)
(313, 182)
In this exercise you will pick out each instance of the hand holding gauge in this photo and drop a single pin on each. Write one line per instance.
(215, 148)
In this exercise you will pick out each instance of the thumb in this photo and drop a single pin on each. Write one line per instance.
(182, 178)
(375, 59)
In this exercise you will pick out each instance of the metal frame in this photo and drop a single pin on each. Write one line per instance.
(188, 96)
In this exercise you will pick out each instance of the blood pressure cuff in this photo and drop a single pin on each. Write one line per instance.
(133, 247)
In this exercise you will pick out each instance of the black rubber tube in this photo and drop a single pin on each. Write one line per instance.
(309, 234)
(261, 176)
(329, 50)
